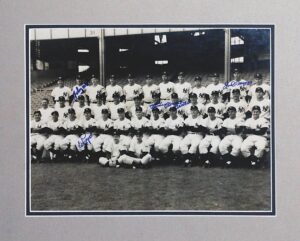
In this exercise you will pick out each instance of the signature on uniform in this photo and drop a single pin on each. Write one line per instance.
(169, 104)
(84, 139)
(78, 91)
(236, 83)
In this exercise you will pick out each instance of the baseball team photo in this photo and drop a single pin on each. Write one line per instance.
(150, 119)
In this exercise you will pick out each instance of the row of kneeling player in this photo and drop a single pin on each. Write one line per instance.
(137, 143)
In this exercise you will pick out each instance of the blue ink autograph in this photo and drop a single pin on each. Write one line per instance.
(78, 91)
(236, 83)
(84, 139)
(169, 104)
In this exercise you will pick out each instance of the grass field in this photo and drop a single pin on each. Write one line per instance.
(82, 186)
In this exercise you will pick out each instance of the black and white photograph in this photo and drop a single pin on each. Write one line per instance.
(150, 120)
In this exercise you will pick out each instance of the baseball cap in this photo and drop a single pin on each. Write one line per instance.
(193, 95)
(236, 91)
(258, 76)
(215, 92)
(236, 70)
(71, 110)
(216, 75)
(112, 76)
(61, 98)
(198, 78)
(194, 108)
(121, 110)
(180, 74)
(259, 89)
(165, 73)
(116, 95)
(130, 76)
(104, 111)
(37, 112)
(173, 108)
(155, 109)
(54, 113)
(148, 76)
(87, 110)
(211, 109)
(138, 109)
(80, 97)
(174, 95)
(155, 94)
(256, 107)
(231, 108)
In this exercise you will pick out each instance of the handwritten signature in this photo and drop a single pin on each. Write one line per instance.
(78, 91)
(169, 104)
(236, 83)
(84, 139)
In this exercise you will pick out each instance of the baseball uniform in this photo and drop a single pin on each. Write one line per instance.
(166, 89)
(92, 91)
(46, 113)
(97, 110)
(62, 112)
(219, 107)
(79, 110)
(259, 141)
(241, 107)
(183, 90)
(130, 91)
(155, 139)
(113, 109)
(37, 139)
(54, 140)
(264, 86)
(104, 138)
(71, 140)
(148, 90)
(115, 150)
(58, 91)
(110, 90)
(210, 138)
(201, 93)
(264, 105)
(125, 126)
(86, 139)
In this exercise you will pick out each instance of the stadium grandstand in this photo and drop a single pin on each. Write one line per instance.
(196, 51)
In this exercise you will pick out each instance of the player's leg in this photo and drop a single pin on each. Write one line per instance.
(184, 148)
(203, 150)
(196, 139)
(261, 145)
(246, 146)
(146, 160)
(97, 145)
(223, 148)
(165, 144)
(40, 139)
(33, 148)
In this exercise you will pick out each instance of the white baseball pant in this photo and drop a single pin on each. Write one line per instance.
(37, 140)
(214, 141)
(260, 142)
(190, 143)
(129, 160)
(71, 140)
(53, 140)
(101, 141)
(167, 141)
(232, 140)
(155, 140)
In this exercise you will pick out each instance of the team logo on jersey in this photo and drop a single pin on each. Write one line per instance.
(98, 92)
(185, 90)
(65, 94)
(265, 108)
(106, 126)
(219, 112)
(135, 92)
(66, 115)
(169, 90)
(241, 109)
(216, 127)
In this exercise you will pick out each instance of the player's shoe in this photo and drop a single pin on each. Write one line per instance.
(133, 167)
(228, 164)
(187, 163)
(118, 166)
(33, 158)
(207, 163)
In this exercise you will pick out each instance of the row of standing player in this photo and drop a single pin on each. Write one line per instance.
(193, 137)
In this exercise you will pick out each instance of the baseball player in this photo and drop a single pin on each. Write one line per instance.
(62, 109)
(262, 102)
(157, 104)
(52, 144)
(176, 103)
(200, 91)
(138, 103)
(139, 121)
(239, 83)
(259, 83)
(37, 138)
(173, 130)
(239, 104)
(46, 110)
(182, 88)
(80, 108)
(78, 89)
(208, 147)
(97, 109)
(232, 128)
(113, 107)
(72, 127)
(219, 107)
(61, 90)
(138, 154)
(112, 89)
(113, 150)
(194, 102)
(123, 126)
(148, 89)
(155, 128)
(84, 144)
(93, 90)
(130, 90)
(104, 128)
(216, 86)
(166, 87)
(191, 141)
(256, 131)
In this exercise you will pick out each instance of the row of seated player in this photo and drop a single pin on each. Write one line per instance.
(136, 143)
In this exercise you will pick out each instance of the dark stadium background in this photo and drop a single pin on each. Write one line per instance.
(79, 186)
